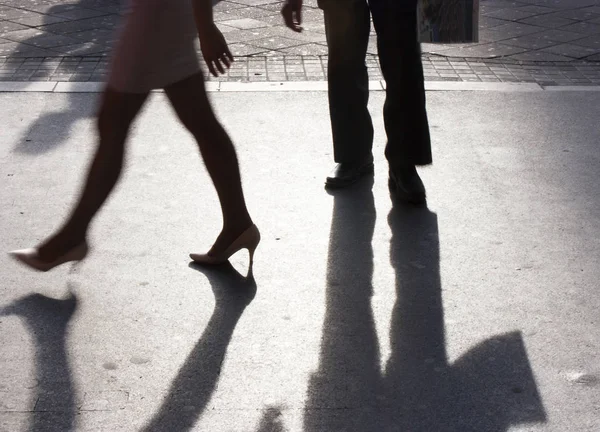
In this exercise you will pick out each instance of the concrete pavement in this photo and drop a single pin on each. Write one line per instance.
(479, 313)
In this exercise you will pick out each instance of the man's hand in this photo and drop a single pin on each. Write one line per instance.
(292, 14)
(215, 50)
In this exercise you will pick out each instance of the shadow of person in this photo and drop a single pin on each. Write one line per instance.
(348, 379)
(490, 388)
(54, 127)
(53, 404)
(195, 382)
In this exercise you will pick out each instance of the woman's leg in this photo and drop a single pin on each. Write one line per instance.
(117, 112)
(190, 101)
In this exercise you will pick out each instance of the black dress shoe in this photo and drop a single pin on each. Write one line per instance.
(345, 174)
(406, 184)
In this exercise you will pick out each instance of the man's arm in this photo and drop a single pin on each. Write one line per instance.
(292, 14)
(213, 44)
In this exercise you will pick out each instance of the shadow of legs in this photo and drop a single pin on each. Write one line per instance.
(195, 382)
(53, 401)
(489, 388)
(342, 394)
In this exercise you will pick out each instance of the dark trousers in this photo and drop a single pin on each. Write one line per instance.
(348, 24)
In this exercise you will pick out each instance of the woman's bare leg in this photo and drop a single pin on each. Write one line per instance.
(117, 112)
(190, 101)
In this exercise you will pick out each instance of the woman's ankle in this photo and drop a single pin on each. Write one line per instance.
(61, 243)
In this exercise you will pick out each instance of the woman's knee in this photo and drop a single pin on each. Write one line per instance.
(117, 112)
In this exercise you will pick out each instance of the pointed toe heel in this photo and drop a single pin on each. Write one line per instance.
(249, 239)
(31, 257)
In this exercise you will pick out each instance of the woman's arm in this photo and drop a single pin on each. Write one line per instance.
(213, 44)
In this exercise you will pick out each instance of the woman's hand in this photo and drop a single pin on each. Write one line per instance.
(215, 50)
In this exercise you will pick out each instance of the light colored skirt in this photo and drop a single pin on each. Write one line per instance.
(156, 47)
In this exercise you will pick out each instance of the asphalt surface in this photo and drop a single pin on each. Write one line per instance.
(477, 313)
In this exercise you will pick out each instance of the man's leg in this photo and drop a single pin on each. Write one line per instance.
(347, 24)
(405, 114)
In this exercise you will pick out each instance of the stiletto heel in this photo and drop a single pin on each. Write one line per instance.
(31, 257)
(252, 250)
(249, 239)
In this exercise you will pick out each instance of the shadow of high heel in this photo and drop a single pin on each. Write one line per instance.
(227, 283)
(192, 388)
(53, 404)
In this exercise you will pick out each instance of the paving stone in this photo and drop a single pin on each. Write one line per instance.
(80, 49)
(80, 77)
(531, 42)
(78, 13)
(573, 51)
(510, 14)
(306, 50)
(22, 35)
(538, 9)
(547, 21)
(527, 28)
(50, 41)
(511, 30)
(446, 78)
(104, 22)
(591, 42)
(227, 5)
(254, 2)
(39, 20)
(238, 35)
(11, 14)
(15, 49)
(577, 14)
(484, 51)
(97, 35)
(245, 23)
(489, 22)
(9, 26)
(275, 43)
(41, 75)
(241, 49)
(436, 48)
(583, 28)
(50, 8)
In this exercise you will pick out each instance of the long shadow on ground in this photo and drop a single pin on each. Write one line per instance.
(53, 127)
(197, 379)
(490, 388)
(53, 403)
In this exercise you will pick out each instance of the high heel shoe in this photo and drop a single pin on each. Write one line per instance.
(249, 239)
(31, 257)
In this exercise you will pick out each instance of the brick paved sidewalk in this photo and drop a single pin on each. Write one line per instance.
(545, 41)
(314, 68)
